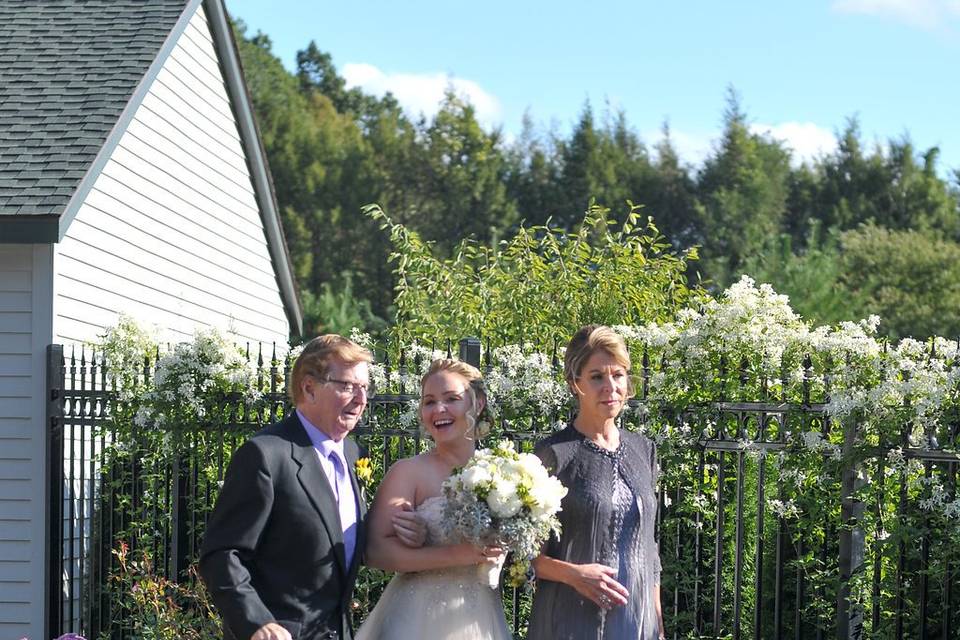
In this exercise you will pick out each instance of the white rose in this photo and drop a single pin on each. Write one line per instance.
(511, 470)
(547, 495)
(532, 466)
(503, 499)
(505, 446)
(475, 475)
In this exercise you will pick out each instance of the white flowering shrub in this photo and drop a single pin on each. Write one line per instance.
(749, 346)
(194, 379)
(173, 404)
(523, 382)
(127, 350)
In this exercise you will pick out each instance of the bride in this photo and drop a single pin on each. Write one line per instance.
(437, 593)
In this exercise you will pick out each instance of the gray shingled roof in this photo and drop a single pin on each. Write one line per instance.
(67, 70)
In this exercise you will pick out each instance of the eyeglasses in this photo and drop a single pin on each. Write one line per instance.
(351, 388)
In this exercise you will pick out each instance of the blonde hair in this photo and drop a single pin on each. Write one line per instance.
(479, 420)
(316, 357)
(587, 341)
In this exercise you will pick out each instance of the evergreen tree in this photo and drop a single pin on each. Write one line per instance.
(608, 164)
(671, 197)
(743, 194)
(534, 168)
(894, 187)
(459, 187)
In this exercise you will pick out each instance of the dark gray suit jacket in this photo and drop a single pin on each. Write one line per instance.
(273, 548)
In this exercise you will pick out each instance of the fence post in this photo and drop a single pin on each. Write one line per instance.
(850, 616)
(179, 547)
(470, 351)
(54, 546)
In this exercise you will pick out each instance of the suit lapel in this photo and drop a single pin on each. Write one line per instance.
(351, 451)
(317, 487)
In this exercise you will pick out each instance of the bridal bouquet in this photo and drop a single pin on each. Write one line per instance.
(504, 498)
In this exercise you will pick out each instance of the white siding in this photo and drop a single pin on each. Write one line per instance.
(25, 332)
(171, 231)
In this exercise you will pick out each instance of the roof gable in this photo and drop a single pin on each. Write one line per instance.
(72, 74)
(67, 71)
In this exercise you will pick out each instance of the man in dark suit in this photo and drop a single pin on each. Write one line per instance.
(285, 539)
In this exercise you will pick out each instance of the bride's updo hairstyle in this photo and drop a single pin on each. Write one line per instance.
(587, 341)
(479, 420)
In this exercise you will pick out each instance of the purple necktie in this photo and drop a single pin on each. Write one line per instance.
(343, 491)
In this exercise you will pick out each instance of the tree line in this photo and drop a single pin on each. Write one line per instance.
(866, 228)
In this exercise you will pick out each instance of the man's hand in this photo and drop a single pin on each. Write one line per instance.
(271, 631)
(409, 527)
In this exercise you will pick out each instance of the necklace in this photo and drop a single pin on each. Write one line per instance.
(607, 439)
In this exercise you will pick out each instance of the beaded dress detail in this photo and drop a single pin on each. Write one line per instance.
(444, 604)
(607, 518)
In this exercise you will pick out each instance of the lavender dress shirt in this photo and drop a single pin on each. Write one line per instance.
(334, 465)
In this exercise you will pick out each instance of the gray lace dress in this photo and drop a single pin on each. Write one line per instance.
(608, 517)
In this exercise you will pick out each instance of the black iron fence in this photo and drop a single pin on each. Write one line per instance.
(736, 563)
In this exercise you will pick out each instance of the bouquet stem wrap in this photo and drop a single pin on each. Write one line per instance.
(488, 573)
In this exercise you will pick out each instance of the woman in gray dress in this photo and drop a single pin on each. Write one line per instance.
(601, 579)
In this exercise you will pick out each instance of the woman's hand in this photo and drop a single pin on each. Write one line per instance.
(473, 554)
(494, 555)
(596, 583)
(271, 631)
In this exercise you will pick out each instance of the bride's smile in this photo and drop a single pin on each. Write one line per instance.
(444, 407)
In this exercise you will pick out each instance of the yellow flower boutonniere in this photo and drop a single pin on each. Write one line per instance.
(364, 470)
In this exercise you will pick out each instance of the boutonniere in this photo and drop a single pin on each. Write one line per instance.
(364, 471)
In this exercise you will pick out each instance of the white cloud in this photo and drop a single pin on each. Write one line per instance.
(423, 92)
(691, 148)
(926, 14)
(806, 139)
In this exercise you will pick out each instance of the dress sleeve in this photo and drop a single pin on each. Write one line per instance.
(548, 457)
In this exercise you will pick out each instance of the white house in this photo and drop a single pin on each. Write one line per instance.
(132, 180)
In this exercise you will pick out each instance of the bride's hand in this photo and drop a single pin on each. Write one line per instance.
(493, 555)
(596, 582)
(473, 554)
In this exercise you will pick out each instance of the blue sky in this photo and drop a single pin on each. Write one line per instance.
(801, 67)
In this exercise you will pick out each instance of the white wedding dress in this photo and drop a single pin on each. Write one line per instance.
(446, 604)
